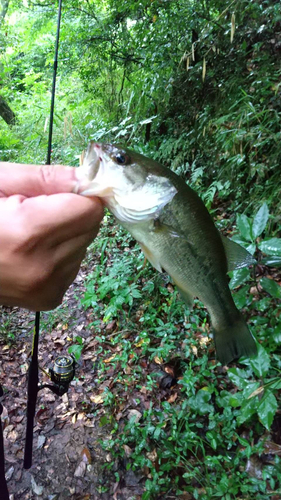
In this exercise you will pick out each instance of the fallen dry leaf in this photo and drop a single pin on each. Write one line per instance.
(41, 441)
(272, 448)
(169, 370)
(259, 390)
(80, 469)
(134, 414)
(110, 326)
(109, 359)
(139, 344)
(194, 350)
(158, 360)
(7, 430)
(203, 341)
(36, 488)
(97, 399)
(9, 473)
(128, 450)
(86, 455)
(152, 455)
(254, 467)
(172, 398)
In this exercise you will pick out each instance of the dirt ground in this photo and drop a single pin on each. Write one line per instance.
(68, 460)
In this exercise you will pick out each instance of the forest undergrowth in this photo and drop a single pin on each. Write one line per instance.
(197, 429)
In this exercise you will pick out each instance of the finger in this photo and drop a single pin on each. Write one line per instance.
(50, 295)
(74, 249)
(33, 180)
(61, 217)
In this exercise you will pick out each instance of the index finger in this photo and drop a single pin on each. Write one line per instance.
(34, 180)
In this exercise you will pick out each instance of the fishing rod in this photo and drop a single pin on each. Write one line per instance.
(33, 379)
(63, 370)
(3, 482)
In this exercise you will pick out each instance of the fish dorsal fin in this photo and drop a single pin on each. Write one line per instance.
(237, 256)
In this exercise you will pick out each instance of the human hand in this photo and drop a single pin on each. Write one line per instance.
(44, 233)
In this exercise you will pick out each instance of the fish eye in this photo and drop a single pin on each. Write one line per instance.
(122, 159)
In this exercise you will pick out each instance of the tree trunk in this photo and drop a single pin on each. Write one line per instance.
(6, 112)
(4, 4)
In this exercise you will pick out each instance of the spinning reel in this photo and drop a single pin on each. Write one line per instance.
(61, 374)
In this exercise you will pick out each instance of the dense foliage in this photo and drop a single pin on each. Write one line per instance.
(195, 85)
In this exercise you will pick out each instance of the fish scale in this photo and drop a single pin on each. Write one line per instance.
(196, 276)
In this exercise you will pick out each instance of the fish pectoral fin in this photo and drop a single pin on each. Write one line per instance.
(159, 226)
(237, 256)
(154, 261)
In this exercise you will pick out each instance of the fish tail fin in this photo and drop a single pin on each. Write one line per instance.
(233, 341)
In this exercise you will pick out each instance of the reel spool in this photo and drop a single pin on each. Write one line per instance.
(63, 371)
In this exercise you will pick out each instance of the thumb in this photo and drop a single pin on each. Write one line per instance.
(34, 180)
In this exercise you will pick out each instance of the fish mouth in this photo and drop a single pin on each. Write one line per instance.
(129, 200)
(98, 150)
(93, 160)
(93, 176)
(89, 169)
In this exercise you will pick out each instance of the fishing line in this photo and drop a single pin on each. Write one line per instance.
(54, 87)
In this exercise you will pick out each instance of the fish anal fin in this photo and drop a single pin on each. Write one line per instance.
(185, 294)
(151, 257)
(237, 256)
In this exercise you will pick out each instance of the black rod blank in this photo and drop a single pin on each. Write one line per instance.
(3, 482)
(33, 388)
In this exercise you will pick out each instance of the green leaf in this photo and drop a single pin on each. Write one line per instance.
(78, 339)
(260, 221)
(136, 293)
(267, 409)
(271, 247)
(105, 420)
(248, 408)
(276, 336)
(251, 248)
(274, 383)
(238, 377)
(239, 240)
(244, 225)
(261, 363)
(200, 403)
(227, 399)
(76, 350)
(250, 388)
(238, 277)
(272, 261)
(241, 297)
(271, 287)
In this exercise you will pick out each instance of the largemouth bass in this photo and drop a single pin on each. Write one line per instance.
(176, 234)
